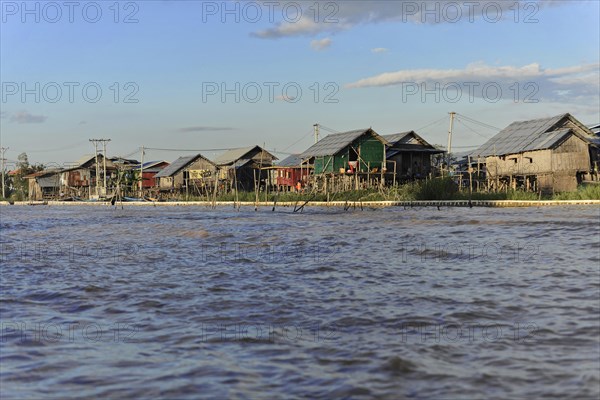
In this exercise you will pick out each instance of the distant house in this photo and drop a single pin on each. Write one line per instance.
(361, 150)
(290, 171)
(80, 179)
(150, 169)
(44, 185)
(547, 154)
(410, 155)
(192, 173)
(244, 167)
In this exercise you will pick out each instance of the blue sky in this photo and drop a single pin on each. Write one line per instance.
(373, 57)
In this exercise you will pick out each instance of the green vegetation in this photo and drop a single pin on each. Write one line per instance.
(17, 187)
(584, 192)
(436, 189)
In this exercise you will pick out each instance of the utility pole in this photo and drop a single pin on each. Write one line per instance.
(3, 150)
(316, 126)
(103, 141)
(142, 173)
(452, 114)
(104, 159)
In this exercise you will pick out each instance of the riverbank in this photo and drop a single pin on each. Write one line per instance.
(338, 204)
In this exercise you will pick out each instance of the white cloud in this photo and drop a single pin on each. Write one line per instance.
(379, 50)
(24, 117)
(575, 82)
(304, 27)
(343, 15)
(321, 44)
(189, 129)
(286, 98)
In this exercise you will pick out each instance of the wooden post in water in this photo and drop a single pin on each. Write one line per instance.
(235, 203)
(470, 179)
(255, 192)
(142, 175)
(215, 190)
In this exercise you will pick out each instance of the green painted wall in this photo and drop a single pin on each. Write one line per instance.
(371, 152)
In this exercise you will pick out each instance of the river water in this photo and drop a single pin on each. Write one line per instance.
(190, 302)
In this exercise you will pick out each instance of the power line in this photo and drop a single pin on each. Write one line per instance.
(189, 150)
(130, 154)
(480, 123)
(328, 129)
(310, 133)
(433, 123)
(72, 146)
(472, 130)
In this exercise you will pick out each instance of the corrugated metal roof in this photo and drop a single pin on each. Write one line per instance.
(548, 139)
(45, 172)
(242, 162)
(150, 164)
(177, 165)
(233, 155)
(334, 143)
(121, 160)
(519, 136)
(396, 137)
(291, 161)
(409, 141)
(85, 158)
(46, 178)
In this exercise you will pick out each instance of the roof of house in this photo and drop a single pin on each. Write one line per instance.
(334, 143)
(121, 160)
(291, 161)
(520, 136)
(233, 155)
(86, 158)
(81, 162)
(402, 141)
(242, 162)
(42, 173)
(46, 179)
(178, 165)
(397, 138)
(151, 165)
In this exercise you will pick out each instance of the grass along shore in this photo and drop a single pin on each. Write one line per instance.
(433, 190)
(437, 189)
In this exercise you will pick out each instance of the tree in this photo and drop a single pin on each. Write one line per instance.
(23, 162)
(20, 186)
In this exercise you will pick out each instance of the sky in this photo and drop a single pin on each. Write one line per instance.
(182, 76)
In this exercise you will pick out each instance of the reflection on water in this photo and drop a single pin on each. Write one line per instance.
(188, 302)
